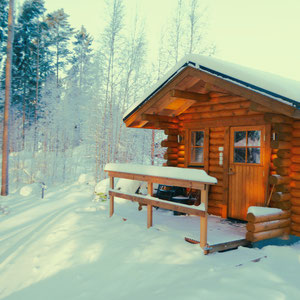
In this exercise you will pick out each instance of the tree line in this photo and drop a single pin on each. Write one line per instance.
(68, 95)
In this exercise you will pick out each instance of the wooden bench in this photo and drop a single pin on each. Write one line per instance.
(120, 171)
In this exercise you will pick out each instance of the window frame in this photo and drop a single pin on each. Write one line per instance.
(261, 147)
(204, 164)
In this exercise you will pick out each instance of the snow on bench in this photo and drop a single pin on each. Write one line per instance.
(163, 172)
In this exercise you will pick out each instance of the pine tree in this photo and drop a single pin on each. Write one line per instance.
(61, 32)
(24, 70)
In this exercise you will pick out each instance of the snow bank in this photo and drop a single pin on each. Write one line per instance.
(86, 178)
(263, 211)
(31, 189)
(63, 248)
(167, 172)
(102, 187)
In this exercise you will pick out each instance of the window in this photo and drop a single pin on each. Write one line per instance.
(197, 147)
(247, 146)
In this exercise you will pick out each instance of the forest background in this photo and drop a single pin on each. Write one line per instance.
(68, 93)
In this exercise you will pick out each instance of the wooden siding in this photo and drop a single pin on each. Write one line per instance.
(217, 116)
(295, 179)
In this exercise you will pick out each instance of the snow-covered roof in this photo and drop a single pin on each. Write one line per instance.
(167, 172)
(274, 86)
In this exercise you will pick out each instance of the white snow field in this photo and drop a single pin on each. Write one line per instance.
(66, 247)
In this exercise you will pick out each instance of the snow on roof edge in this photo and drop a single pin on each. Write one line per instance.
(193, 60)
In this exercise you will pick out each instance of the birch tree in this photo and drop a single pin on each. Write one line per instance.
(111, 44)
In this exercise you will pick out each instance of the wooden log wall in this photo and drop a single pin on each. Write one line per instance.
(215, 196)
(284, 182)
(280, 190)
(172, 145)
(295, 179)
(267, 226)
(220, 107)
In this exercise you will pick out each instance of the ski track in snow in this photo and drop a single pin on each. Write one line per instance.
(33, 234)
(66, 247)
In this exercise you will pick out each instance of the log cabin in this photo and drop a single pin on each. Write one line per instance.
(240, 125)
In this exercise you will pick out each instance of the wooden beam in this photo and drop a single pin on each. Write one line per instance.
(189, 95)
(203, 220)
(224, 121)
(229, 245)
(149, 206)
(158, 118)
(111, 197)
(184, 107)
(183, 208)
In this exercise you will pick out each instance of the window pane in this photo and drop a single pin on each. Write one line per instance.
(197, 138)
(253, 155)
(197, 155)
(239, 138)
(254, 138)
(239, 155)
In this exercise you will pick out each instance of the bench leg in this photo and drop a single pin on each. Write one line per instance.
(149, 216)
(203, 220)
(111, 198)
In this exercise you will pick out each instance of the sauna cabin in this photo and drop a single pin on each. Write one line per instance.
(240, 125)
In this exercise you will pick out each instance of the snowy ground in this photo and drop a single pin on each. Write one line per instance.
(66, 247)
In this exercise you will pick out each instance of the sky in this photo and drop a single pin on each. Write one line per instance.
(262, 34)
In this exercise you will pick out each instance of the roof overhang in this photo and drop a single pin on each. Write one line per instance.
(190, 81)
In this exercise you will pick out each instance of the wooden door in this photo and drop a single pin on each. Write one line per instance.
(246, 170)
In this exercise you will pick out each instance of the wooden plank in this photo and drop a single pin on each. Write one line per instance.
(203, 219)
(247, 120)
(189, 95)
(162, 180)
(145, 200)
(149, 215)
(228, 245)
(159, 118)
(111, 197)
(225, 172)
(149, 206)
(221, 100)
(218, 107)
(183, 107)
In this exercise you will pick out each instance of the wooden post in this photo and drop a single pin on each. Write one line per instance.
(149, 207)
(203, 220)
(111, 198)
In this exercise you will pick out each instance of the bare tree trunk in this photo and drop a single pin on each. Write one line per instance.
(23, 116)
(5, 146)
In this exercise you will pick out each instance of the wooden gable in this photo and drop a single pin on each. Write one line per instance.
(193, 90)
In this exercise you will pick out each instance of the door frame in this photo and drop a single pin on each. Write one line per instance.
(227, 160)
